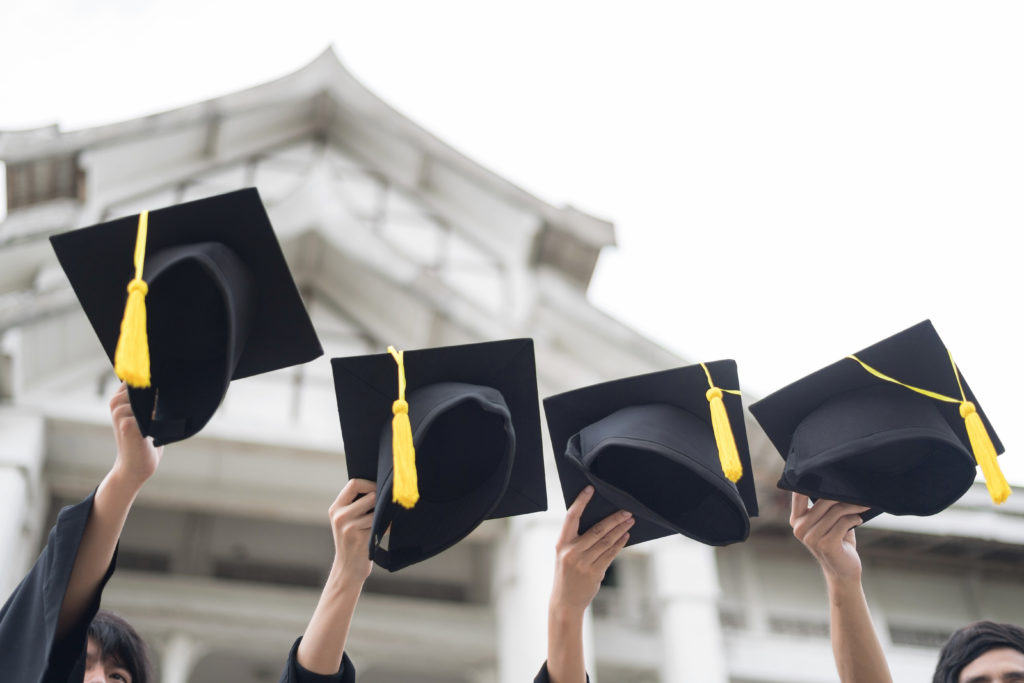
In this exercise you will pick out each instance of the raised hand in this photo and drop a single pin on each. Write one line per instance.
(583, 559)
(826, 529)
(351, 521)
(137, 457)
(323, 644)
(136, 461)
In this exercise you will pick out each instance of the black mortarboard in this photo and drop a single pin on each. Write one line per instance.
(858, 431)
(221, 303)
(475, 424)
(648, 445)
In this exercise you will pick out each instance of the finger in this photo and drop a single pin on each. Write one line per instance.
(363, 506)
(844, 526)
(120, 396)
(604, 560)
(829, 529)
(817, 510)
(364, 523)
(571, 526)
(611, 527)
(122, 412)
(594, 554)
(798, 507)
(347, 494)
(124, 422)
(850, 536)
(364, 485)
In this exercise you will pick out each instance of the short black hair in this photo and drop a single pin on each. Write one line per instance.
(971, 642)
(120, 643)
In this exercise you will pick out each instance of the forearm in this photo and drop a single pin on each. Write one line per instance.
(565, 645)
(855, 645)
(323, 643)
(113, 500)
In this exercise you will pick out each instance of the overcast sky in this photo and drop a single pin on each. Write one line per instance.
(790, 181)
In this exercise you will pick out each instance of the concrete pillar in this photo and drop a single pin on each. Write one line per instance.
(21, 459)
(13, 499)
(524, 571)
(879, 616)
(686, 590)
(180, 654)
(753, 600)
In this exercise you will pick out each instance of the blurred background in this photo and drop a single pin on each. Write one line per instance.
(635, 188)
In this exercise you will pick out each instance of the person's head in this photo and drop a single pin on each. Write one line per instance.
(983, 652)
(115, 652)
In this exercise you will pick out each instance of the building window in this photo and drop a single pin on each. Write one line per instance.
(42, 180)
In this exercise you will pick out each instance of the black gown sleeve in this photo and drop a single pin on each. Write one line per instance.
(543, 676)
(29, 649)
(295, 673)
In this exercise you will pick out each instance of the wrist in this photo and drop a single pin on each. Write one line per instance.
(842, 589)
(342, 581)
(123, 483)
(565, 614)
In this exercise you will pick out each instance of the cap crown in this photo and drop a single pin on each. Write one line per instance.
(647, 445)
(222, 302)
(849, 435)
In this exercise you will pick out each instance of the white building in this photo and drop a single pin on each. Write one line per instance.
(395, 238)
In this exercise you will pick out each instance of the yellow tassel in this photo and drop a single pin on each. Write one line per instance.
(405, 491)
(985, 453)
(131, 358)
(728, 454)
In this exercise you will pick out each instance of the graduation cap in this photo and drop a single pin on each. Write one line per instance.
(659, 445)
(474, 422)
(894, 427)
(210, 300)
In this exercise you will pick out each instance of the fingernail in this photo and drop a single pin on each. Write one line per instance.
(588, 489)
(630, 522)
(627, 513)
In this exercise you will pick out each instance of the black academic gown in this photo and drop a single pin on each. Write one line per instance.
(294, 673)
(543, 676)
(29, 649)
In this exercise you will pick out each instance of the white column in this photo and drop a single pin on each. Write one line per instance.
(879, 616)
(21, 458)
(524, 571)
(754, 607)
(685, 584)
(181, 652)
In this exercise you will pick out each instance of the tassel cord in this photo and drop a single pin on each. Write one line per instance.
(405, 491)
(728, 453)
(131, 357)
(981, 443)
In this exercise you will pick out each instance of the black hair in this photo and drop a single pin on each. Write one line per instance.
(120, 643)
(971, 642)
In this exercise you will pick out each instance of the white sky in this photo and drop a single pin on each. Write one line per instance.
(790, 181)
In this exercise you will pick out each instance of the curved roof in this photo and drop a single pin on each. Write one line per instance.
(336, 97)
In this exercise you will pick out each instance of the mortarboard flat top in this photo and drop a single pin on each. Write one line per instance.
(664, 465)
(219, 286)
(476, 426)
(848, 435)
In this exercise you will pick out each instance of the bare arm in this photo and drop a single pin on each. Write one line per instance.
(323, 643)
(826, 529)
(136, 461)
(582, 561)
